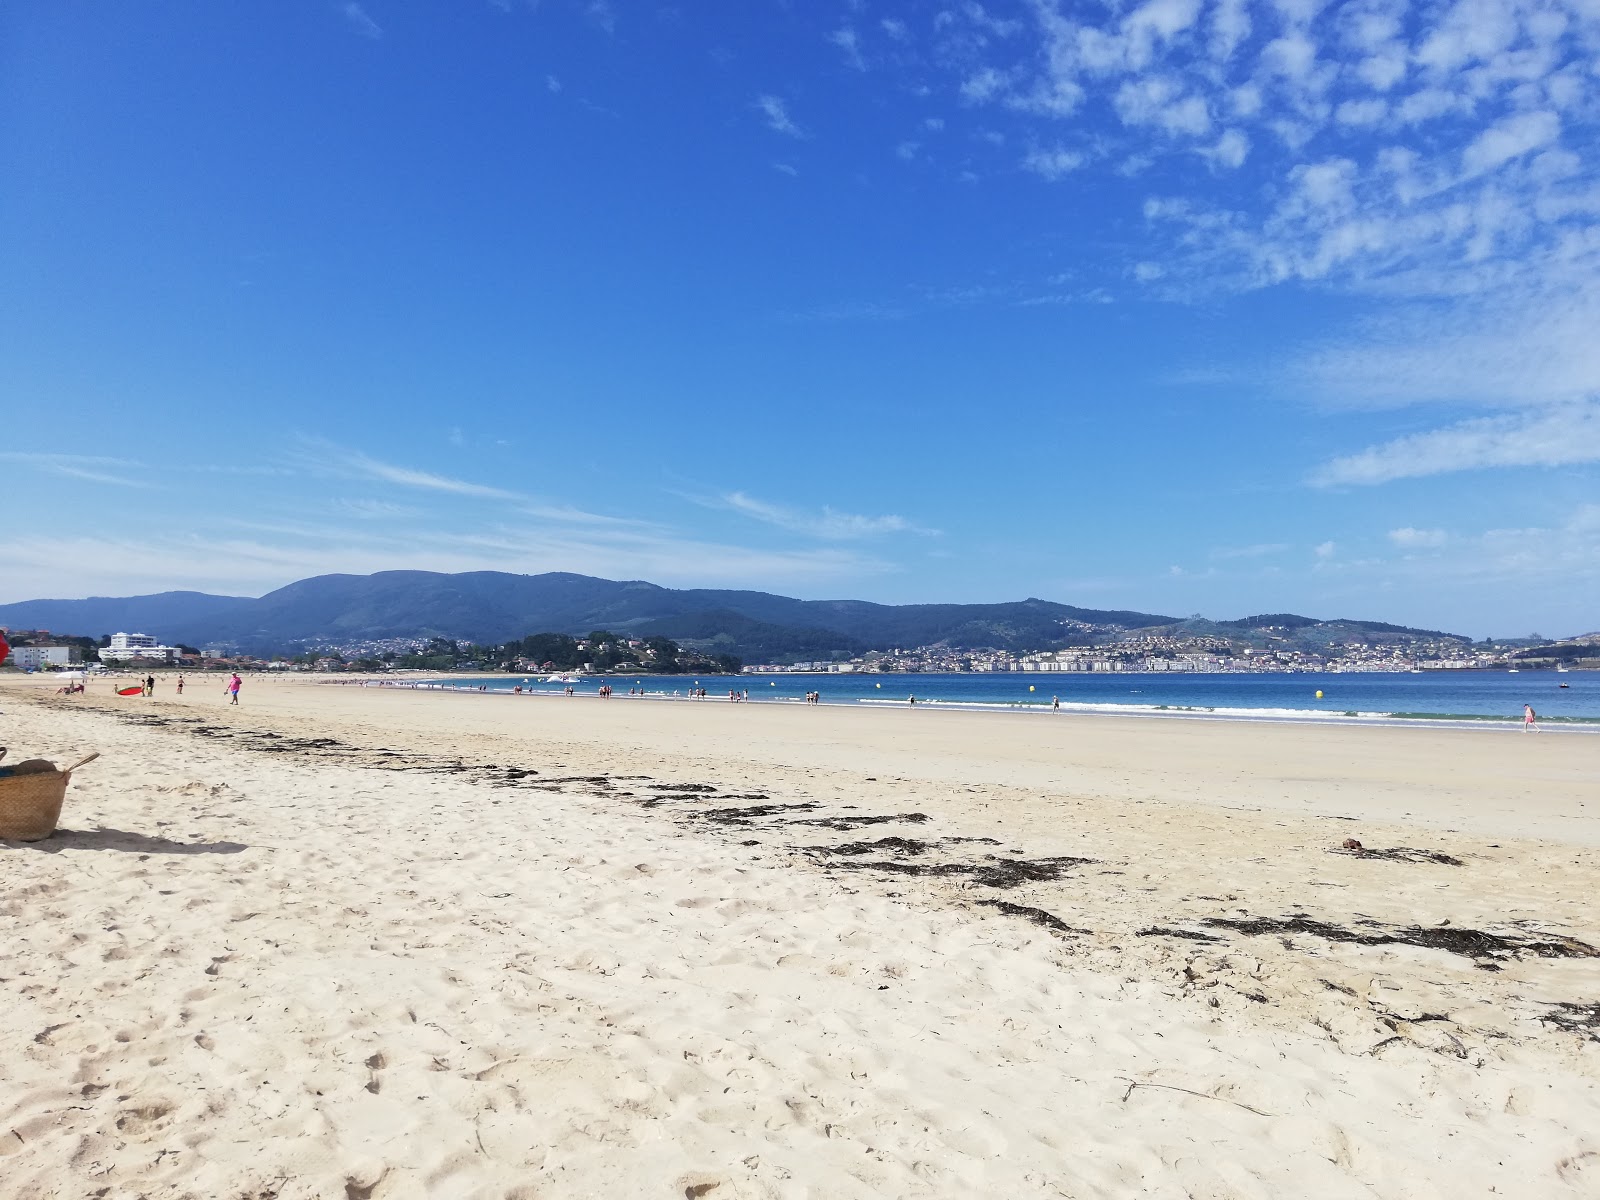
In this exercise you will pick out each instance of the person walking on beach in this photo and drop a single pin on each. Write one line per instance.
(149, 685)
(234, 685)
(180, 685)
(1055, 703)
(1528, 719)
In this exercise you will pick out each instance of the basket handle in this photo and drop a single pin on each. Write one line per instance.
(88, 758)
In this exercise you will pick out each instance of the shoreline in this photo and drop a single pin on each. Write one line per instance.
(1554, 724)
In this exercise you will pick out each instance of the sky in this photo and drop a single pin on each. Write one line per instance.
(1188, 306)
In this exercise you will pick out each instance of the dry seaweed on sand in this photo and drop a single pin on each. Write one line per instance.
(999, 873)
(893, 845)
(1576, 1018)
(1410, 854)
(1192, 935)
(743, 816)
(1470, 943)
(845, 824)
(1037, 915)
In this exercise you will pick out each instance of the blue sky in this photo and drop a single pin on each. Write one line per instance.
(1187, 306)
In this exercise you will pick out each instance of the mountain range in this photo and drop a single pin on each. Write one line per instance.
(489, 607)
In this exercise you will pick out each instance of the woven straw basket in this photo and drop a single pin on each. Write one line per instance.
(31, 796)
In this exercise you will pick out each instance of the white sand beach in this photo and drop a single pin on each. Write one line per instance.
(364, 942)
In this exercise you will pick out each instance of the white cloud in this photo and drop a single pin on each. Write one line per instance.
(1230, 150)
(1367, 111)
(325, 456)
(601, 15)
(849, 45)
(830, 523)
(1325, 549)
(1547, 572)
(777, 114)
(356, 17)
(233, 565)
(1408, 538)
(1160, 101)
(93, 468)
(1325, 85)
(1260, 550)
(375, 509)
(1508, 139)
(1522, 347)
(1052, 164)
(1558, 437)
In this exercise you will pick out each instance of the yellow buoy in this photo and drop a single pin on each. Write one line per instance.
(1030, 687)
(877, 685)
(1319, 693)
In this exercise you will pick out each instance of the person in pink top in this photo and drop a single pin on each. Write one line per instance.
(1528, 719)
(234, 685)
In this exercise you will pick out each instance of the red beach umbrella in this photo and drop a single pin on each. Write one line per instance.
(5, 648)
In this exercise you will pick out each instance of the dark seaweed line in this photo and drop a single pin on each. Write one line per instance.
(1469, 943)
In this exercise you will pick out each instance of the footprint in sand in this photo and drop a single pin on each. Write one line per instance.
(146, 1120)
(376, 1063)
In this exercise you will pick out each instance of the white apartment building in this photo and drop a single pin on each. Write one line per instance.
(128, 646)
(32, 658)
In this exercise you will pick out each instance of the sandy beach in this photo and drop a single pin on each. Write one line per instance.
(369, 942)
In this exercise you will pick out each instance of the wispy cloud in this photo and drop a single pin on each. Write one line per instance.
(90, 467)
(234, 565)
(777, 114)
(354, 464)
(849, 44)
(1551, 569)
(1524, 345)
(374, 509)
(828, 523)
(1054, 163)
(1260, 550)
(358, 19)
(293, 534)
(1408, 538)
(601, 15)
(1559, 437)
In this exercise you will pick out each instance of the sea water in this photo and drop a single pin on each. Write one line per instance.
(1431, 695)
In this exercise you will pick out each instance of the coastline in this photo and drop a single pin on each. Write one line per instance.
(594, 955)
(464, 684)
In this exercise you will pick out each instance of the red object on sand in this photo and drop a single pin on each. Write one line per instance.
(5, 647)
(133, 691)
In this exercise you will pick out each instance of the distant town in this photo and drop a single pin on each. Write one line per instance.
(602, 652)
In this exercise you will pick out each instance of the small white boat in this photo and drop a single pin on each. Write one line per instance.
(563, 679)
